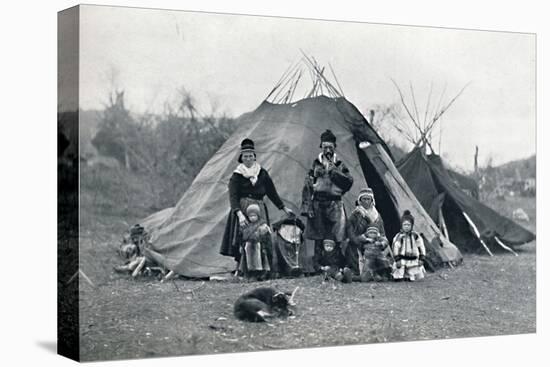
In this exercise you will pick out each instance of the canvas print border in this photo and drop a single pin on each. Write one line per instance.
(152, 222)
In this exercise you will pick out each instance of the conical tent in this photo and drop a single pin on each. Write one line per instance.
(470, 224)
(187, 238)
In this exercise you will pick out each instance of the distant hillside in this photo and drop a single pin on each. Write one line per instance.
(513, 177)
(519, 169)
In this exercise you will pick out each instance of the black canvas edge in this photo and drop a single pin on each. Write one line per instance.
(68, 277)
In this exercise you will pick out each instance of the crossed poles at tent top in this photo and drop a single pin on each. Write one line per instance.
(284, 90)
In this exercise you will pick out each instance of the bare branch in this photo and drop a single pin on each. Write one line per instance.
(403, 101)
(440, 99)
(404, 129)
(405, 134)
(453, 100)
(414, 104)
(444, 109)
(405, 105)
(428, 104)
(425, 133)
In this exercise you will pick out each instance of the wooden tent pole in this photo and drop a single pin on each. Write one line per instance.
(443, 224)
(337, 83)
(404, 104)
(295, 84)
(278, 84)
(289, 79)
(314, 65)
(414, 104)
(428, 105)
(474, 228)
(504, 246)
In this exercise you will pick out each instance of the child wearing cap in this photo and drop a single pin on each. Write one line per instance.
(408, 251)
(368, 253)
(377, 259)
(131, 250)
(257, 245)
(249, 183)
(332, 262)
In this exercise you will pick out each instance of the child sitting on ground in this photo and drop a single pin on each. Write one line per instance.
(257, 244)
(377, 257)
(131, 250)
(333, 263)
(408, 251)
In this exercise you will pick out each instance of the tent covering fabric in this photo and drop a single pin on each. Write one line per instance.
(187, 238)
(435, 188)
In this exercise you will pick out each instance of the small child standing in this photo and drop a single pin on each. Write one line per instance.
(257, 244)
(408, 251)
(377, 258)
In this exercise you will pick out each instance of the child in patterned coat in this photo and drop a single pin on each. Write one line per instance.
(408, 251)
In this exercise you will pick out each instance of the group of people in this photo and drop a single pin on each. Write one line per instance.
(353, 248)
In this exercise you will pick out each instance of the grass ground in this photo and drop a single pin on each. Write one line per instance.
(123, 318)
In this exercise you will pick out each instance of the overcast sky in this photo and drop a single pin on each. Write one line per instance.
(234, 61)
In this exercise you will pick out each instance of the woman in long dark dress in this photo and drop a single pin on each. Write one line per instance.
(248, 185)
(370, 259)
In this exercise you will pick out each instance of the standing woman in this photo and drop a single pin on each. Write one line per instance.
(248, 185)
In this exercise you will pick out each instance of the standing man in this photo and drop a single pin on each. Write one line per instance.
(322, 204)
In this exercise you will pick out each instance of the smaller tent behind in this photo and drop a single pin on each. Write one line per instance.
(465, 183)
(470, 224)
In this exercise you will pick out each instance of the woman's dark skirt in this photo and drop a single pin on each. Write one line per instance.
(232, 236)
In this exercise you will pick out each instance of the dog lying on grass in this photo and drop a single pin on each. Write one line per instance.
(264, 303)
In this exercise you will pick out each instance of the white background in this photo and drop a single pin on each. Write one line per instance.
(28, 206)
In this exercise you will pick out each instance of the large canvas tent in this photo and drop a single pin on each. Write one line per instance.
(286, 133)
(470, 224)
